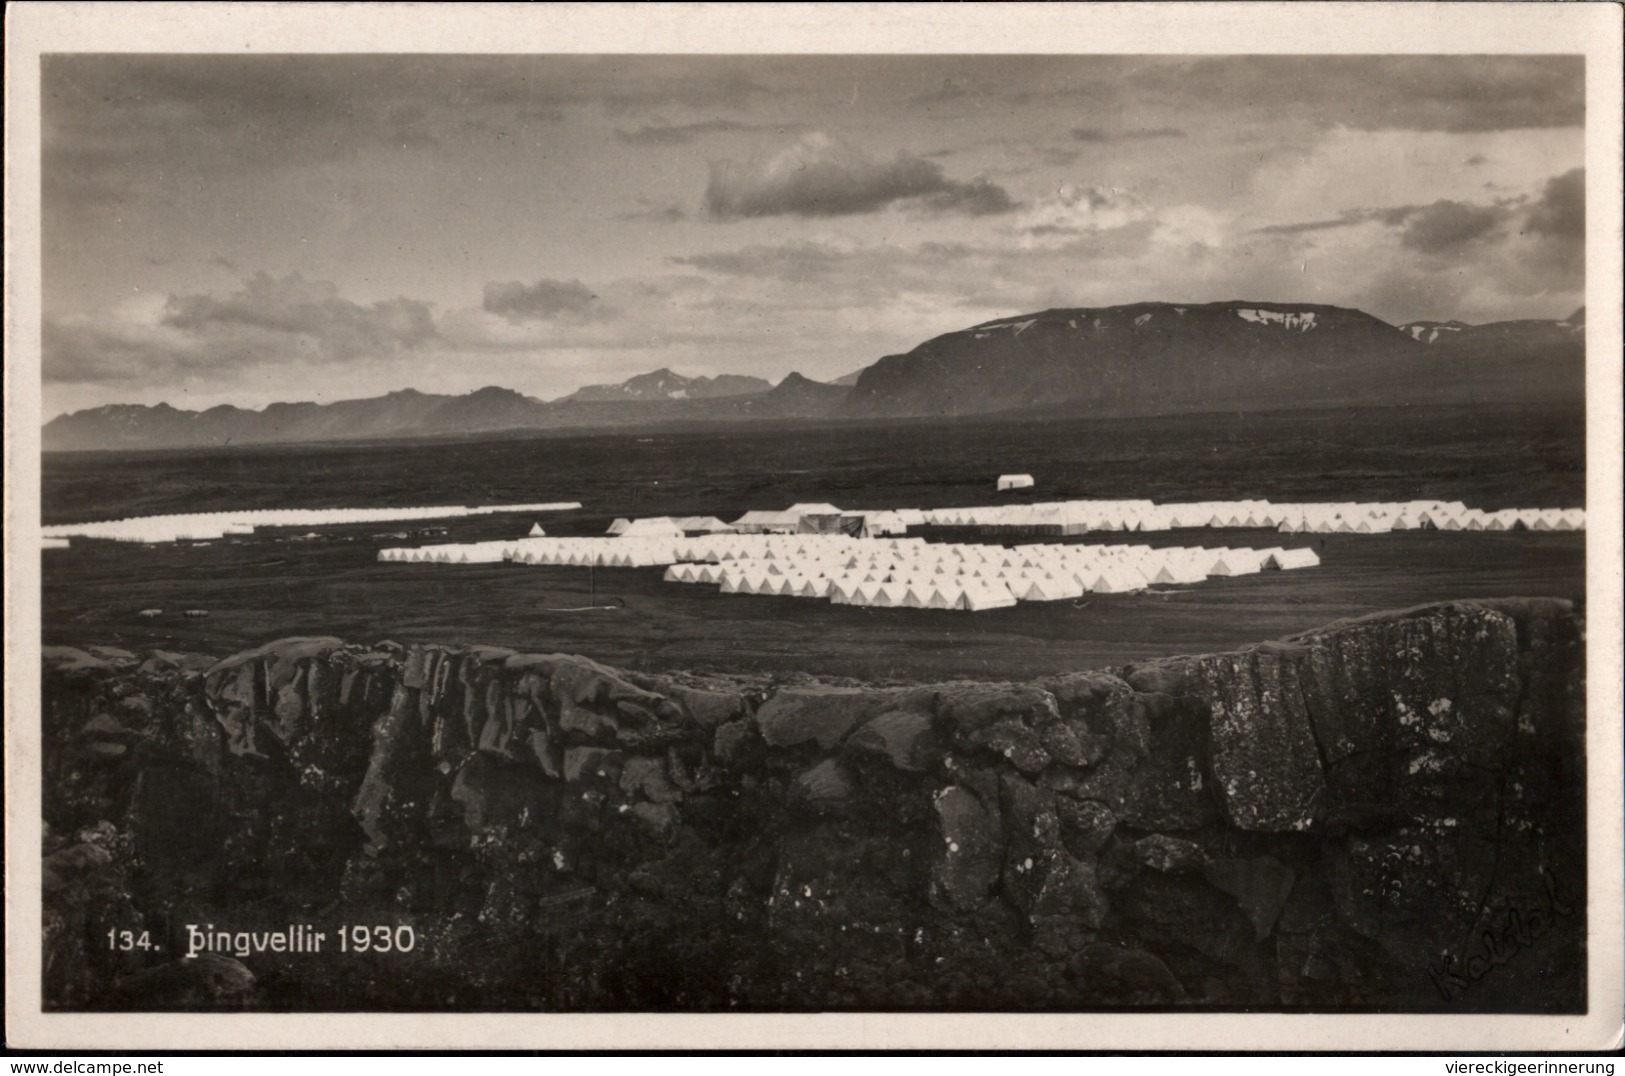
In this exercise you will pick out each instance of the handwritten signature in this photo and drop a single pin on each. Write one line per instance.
(1518, 930)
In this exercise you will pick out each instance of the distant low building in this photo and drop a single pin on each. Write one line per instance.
(767, 523)
(1015, 481)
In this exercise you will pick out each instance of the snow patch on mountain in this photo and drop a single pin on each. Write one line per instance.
(1016, 327)
(1430, 333)
(1302, 322)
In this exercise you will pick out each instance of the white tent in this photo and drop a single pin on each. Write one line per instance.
(1015, 481)
(991, 595)
(1029, 588)
(1292, 558)
(918, 595)
(619, 526)
(1178, 571)
(536, 531)
(1117, 580)
(1236, 562)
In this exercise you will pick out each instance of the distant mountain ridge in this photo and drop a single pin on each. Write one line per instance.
(1525, 333)
(663, 384)
(1138, 359)
(409, 413)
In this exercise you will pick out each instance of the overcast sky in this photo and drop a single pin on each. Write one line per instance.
(252, 229)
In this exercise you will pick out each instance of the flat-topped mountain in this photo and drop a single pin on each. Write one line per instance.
(1160, 358)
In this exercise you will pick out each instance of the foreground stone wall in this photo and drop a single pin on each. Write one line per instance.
(1384, 814)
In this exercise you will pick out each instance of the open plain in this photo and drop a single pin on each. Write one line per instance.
(275, 584)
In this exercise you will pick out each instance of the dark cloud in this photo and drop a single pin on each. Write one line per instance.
(951, 90)
(798, 262)
(1144, 134)
(271, 322)
(955, 95)
(979, 197)
(545, 300)
(1555, 229)
(1504, 252)
(1431, 228)
(819, 177)
(78, 354)
(1297, 228)
(1561, 210)
(317, 320)
(1446, 226)
(118, 127)
(680, 134)
(655, 214)
(1419, 93)
(315, 108)
(1058, 156)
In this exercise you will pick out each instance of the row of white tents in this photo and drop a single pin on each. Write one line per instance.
(640, 552)
(1063, 518)
(972, 577)
(568, 552)
(206, 526)
(1054, 519)
(1077, 517)
(906, 572)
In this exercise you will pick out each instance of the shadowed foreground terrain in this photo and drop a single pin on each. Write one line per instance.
(1385, 814)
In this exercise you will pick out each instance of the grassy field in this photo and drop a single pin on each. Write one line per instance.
(271, 585)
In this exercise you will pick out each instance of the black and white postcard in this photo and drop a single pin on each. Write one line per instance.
(916, 526)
